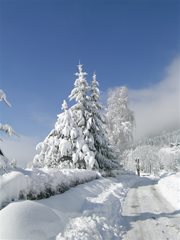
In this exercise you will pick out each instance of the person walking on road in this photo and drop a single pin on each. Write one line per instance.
(137, 166)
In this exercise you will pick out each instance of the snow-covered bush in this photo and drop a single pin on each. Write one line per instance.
(40, 183)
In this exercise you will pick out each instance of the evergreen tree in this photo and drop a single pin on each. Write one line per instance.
(65, 146)
(84, 155)
(79, 139)
(80, 95)
(56, 149)
(103, 151)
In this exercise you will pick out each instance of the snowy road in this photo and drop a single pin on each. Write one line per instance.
(148, 216)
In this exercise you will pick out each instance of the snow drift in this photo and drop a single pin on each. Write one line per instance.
(169, 186)
(41, 223)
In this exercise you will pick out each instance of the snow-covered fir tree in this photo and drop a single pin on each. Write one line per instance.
(89, 116)
(85, 156)
(103, 151)
(65, 146)
(120, 119)
(79, 139)
(56, 149)
(5, 163)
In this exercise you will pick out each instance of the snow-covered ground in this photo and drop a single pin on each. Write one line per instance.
(88, 211)
(93, 210)
(169, 187)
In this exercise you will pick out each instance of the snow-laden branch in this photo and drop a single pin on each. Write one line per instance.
(7, 129)
(3, 97)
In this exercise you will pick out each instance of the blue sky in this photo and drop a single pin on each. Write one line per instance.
(126, 42)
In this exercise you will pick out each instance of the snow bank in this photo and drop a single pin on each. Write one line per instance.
(28, 220)
(99, 216)
(169, 186)
(40, 183)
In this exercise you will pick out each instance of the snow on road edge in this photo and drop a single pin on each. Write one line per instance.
(100, 215)
(169, 187)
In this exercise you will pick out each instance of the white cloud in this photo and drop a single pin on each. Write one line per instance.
(22, 149)
(157, 108)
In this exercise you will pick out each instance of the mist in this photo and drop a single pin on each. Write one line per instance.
(157, 108)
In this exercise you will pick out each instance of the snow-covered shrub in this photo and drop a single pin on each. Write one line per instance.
(12, 185)
(40, 183)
